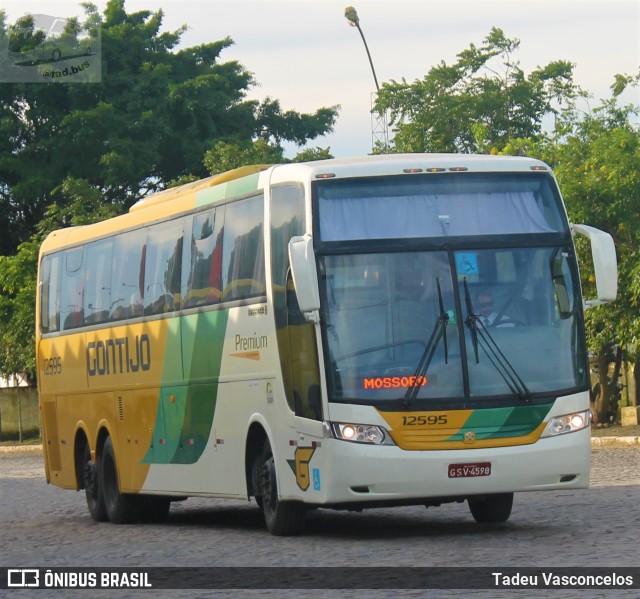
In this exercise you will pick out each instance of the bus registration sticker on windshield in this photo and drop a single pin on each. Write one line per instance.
(467, 470)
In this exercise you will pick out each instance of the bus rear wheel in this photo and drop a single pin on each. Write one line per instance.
(92, 489)
(282, 517)
(491, 508)
(121, 508)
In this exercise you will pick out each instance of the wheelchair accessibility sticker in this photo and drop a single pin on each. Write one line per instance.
(467, 263)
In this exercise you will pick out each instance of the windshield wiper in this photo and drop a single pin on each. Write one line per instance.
(439, 332)
(480, 336)
(472, 319)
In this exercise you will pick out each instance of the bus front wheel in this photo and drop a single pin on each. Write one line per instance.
(282, 517)
(121, 508)
(491, 508)
(92, 489)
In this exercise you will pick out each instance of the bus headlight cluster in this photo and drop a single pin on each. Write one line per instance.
(569, 423)
(360, 433)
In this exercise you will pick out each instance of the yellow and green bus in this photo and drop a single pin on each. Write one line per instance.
(349, 333)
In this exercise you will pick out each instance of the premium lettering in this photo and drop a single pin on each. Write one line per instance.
(254, 342)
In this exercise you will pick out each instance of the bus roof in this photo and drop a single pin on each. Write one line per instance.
(175, 192)
(397, 164)
(245, 179)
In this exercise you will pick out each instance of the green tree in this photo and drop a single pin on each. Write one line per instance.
(485, 103)
(598, 167)
(80, 204)
(478, 103)
(77, 153)
(225, 156)
(596, 159)
(150, 120)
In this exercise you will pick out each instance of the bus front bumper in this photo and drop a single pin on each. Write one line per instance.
(347, 474)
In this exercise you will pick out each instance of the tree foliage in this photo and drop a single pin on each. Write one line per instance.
(478, 103)
(150, 120)
(596, 159)
(79, 204)
(225, 156)
(77, 153)
(485, 103)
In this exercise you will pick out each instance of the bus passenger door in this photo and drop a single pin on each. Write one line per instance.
(303, 388)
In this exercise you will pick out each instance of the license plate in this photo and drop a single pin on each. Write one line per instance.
(468, 470)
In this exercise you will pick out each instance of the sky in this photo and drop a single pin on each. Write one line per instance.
(305, 54)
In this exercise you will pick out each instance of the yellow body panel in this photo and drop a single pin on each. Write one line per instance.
(112, 378)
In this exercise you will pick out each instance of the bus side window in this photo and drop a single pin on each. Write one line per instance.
(243, 250)
(50, 294)
(71, 312)
(163, 264)
(562, 284)
(97, 284)
(127, 275)
(203, 272)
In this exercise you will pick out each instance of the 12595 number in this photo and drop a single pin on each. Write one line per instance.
(424, 420)
(52, 366)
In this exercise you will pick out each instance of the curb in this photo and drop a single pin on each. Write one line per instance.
(615, 441)
(20, 448)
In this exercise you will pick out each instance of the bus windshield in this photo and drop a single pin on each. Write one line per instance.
(381, 309)
(456, 322)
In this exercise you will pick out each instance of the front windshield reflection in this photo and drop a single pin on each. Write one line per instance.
(381, 309)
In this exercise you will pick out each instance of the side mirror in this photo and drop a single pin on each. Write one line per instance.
(305, 278)
(605, 264)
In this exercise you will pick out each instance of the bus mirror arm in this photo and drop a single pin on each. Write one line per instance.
(305, 280)
(605, 264)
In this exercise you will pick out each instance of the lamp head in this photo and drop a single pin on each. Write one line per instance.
(352, 16)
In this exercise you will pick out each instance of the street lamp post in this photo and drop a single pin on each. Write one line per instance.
(352, 16)
(379, 132)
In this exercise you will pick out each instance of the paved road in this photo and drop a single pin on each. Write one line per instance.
(42, 525)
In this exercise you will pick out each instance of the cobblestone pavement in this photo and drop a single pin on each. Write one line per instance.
(45, 526)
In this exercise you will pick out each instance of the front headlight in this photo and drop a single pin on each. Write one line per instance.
(569, 423)
(360, 433)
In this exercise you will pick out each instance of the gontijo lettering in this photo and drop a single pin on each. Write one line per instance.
(394, 382)
(119, 356)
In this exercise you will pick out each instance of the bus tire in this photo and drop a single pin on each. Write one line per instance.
(121, 508)
(491, 508)
(283, 518)
(92, 488)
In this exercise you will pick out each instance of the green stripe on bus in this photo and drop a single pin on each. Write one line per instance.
(238, 187)
(185, 412)
(495, 423)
